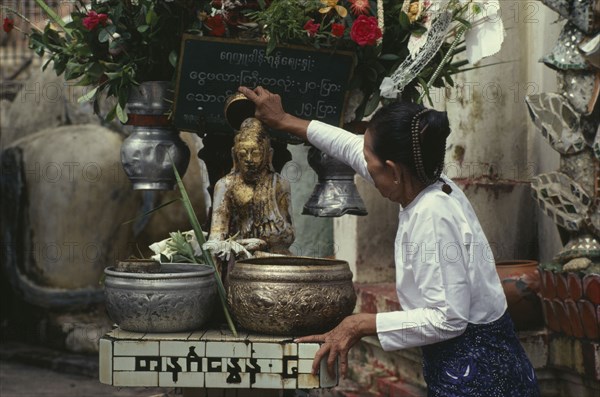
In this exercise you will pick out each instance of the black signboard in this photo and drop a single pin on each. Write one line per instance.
(312, 83)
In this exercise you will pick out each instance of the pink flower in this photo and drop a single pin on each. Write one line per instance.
(337, 29)
(365, 31)
(93, 19)
(8, 24)
(311, 27)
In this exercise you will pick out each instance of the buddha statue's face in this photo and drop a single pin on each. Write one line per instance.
(251, 151)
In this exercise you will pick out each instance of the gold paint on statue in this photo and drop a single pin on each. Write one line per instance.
(253, 201)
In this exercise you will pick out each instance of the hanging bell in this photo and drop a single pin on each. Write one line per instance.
(335, 193)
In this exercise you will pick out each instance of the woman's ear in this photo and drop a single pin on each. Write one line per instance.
(395, 169)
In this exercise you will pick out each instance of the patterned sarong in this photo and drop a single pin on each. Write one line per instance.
(487, 360)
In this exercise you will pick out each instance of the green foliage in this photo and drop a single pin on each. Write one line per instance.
(134, 44)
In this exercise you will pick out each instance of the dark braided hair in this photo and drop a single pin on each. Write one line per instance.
(392, 128)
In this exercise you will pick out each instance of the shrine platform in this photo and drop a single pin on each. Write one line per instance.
(209, 359)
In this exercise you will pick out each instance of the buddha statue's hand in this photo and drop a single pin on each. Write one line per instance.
(223, 249)
(253, 244)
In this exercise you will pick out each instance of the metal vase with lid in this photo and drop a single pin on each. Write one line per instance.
(154, 145)
(335, 193)
(288, 295)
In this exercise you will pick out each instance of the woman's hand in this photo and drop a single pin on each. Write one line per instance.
(269, 110)
(338, 341)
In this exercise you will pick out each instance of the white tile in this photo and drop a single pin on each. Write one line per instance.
(260, 338)
(197, 335)
(124, 363)
(181, 348)
(184, 379)
(270, 365)
(290, 349)
(219, 379)
(148, 363)
(232, 361)
(118, 333)
(290, 367)
(305, 366)
(168, 336)
(135, 378)
(308, 381)
(267, 350)
(324, 379)
(224, 335)
(308, 350)
(135, 348)
(268, 381)
(228, 349)
(106, 361)
(289, 383)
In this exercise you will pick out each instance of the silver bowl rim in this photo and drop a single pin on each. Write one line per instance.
(293, 261)
(168, 271)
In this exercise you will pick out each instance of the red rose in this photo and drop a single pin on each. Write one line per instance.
(311, 27)
(8, 25)
(365, 31)
(216, 25)
(93, 19)
(337, 29)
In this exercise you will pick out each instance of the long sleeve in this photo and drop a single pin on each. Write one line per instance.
(341, 144)
(435, 251)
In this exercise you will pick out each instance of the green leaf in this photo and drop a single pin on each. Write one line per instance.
(121, 115)
(151, 17)
(106, 33)
(151, 211)
(88, 96)
(143, 28)
(173, 58)
(201, 240)
(372, 103)
(404, 21)
(464, 22)
(389, 57)
(53, 15)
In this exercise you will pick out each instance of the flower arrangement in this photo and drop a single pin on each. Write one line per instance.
(113, 45)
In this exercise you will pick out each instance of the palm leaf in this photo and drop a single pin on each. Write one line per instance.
(205, 254)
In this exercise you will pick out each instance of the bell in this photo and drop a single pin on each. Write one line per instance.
(335, 193)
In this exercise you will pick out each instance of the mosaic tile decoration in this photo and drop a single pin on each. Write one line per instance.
(563, 199)
(558, 122)
(579, 12)
(209, 359)
(578, 87)
(565, 55)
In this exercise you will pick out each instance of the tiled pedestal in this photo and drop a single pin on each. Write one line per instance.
(209, 359)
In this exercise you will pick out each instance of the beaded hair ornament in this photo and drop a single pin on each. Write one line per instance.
(418, 156)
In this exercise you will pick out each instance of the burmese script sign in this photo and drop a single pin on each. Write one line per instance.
(209, 359)
(312, 83)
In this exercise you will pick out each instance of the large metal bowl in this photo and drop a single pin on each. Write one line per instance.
(179, 298)
(290, 295)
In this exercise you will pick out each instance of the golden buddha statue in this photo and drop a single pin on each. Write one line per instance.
(252, 202)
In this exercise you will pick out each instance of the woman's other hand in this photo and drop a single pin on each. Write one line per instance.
(337, 342)
(269, 110)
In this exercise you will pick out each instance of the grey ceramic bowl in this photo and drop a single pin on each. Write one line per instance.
(179, 298)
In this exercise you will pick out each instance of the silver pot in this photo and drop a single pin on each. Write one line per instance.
(148, 153)
(179, 298)
(290, 295)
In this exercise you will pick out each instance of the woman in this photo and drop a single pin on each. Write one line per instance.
(454, 305)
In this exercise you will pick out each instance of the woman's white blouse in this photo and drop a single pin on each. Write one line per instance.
(445, 270)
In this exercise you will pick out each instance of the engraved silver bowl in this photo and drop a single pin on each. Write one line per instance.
(289, 295)
(179, 298)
